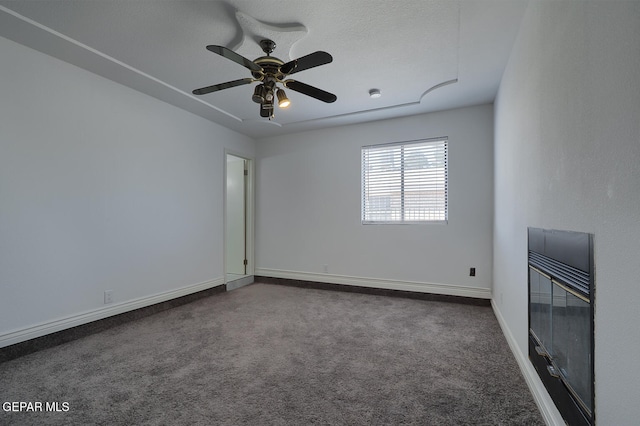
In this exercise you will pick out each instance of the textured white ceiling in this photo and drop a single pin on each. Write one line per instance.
(423, 55)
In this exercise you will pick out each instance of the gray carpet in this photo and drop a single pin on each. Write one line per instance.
(277, 355)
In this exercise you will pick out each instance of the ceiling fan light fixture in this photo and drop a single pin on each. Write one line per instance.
(258, 94)
(283, 101)
(374, 93)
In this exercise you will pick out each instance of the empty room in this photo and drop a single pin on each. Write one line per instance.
(303, 212)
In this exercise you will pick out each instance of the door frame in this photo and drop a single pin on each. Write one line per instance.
(249, 209)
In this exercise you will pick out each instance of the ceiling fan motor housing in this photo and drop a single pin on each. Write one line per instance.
(271, 66)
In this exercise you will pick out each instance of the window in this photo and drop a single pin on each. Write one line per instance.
(405, 182)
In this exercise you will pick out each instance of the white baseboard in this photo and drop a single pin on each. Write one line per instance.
(86, 317)
(240, 282)
(550, 413)
(419, 287)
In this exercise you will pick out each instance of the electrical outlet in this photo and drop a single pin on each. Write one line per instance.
(325, 269)
(472, 272)
(108, 297)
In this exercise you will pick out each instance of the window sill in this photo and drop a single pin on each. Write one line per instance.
(422, 222)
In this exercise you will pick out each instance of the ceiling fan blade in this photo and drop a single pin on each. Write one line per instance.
(304, 63)
(230, 54)
(222, 86)
(314, 92)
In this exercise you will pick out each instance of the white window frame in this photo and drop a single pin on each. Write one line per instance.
(392, 187)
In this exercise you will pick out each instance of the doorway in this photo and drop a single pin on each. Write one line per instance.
(238, 230)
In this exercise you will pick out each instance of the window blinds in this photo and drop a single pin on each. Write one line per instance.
(405, 182)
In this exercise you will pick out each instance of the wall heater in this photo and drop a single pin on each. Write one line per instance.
(561, 312)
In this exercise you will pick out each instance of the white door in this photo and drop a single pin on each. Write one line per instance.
(236, 216)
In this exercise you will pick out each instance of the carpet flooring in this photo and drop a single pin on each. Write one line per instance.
(276, 355)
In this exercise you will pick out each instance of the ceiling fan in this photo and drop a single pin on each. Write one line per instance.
(271, 71)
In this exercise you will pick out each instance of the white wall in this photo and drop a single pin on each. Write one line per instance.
(567, 156)
(308, 208)
(101, 188)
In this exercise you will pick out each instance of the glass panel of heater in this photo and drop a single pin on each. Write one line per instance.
(571, 349)
(541, 308)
